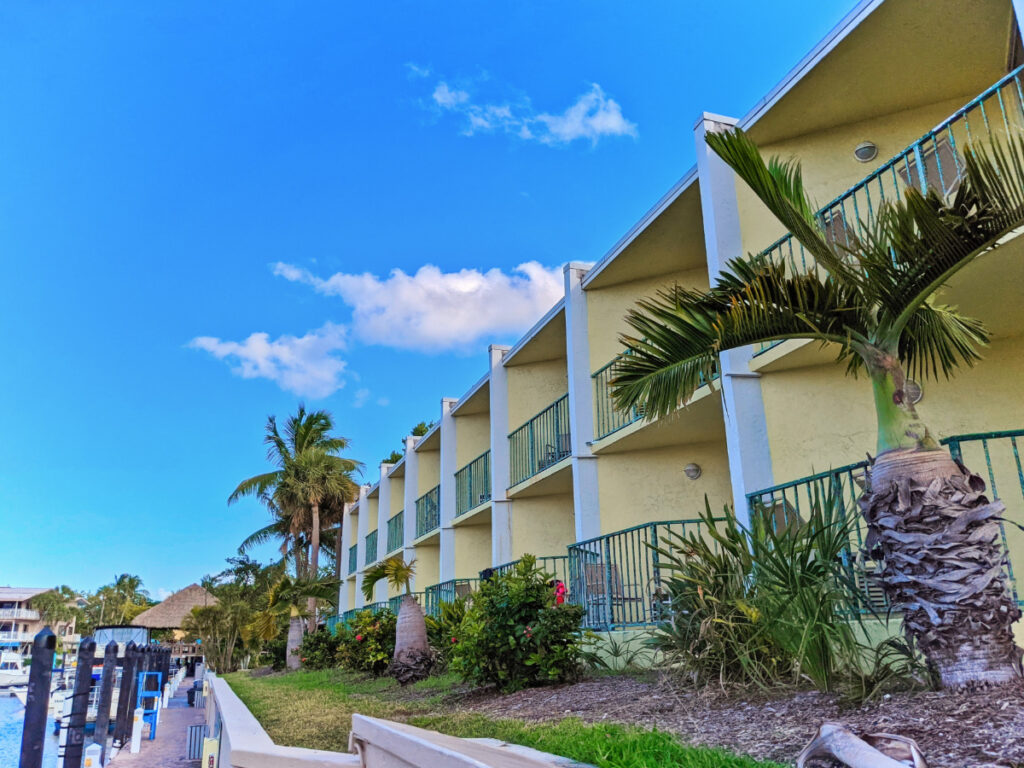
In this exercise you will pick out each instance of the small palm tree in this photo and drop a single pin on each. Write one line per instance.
(285, 599)
(412, 659)
(873, 298)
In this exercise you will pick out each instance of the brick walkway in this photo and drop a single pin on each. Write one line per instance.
(170, 747)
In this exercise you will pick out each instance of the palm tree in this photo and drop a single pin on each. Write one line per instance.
(873, 298)
(310, 476)
(412, 659)
(285, 600)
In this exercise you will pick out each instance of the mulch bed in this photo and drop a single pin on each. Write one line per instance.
(983, 727)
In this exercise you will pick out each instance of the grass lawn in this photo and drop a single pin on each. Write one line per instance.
(314, 709)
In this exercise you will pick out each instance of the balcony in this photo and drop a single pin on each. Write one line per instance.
(608, 419)
(371, 549)
(935, 161)
(396, 531)
(473, 484)
(428, 511)
(541, 442)
(16, 637)
(352, 555)
(446, 592)
(19, 613)
(556, 565)
(395, 603)
(997, 452)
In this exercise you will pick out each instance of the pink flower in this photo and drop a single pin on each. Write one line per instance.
(359, 638)
(454, 640)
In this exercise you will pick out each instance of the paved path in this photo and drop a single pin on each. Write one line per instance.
(170, 747)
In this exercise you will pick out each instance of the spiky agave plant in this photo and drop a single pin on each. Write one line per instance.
(412, 659)
(874, 298)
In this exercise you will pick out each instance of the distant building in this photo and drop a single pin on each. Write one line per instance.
(20, 622)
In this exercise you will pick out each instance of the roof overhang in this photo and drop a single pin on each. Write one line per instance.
(542, 341)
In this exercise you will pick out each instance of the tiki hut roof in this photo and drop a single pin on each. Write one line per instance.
(171, 613)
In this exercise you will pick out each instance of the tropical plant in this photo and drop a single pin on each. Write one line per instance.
(514, 635)
(874, 298)
(285, 608)
(221, 628)
(393, 458)
(412, 659)
(443, 629)
(309, 488)
(319, 650)
(367, 642)
(421, 429)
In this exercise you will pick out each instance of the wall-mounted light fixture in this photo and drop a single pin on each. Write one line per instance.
(692, 471)
(866, 151)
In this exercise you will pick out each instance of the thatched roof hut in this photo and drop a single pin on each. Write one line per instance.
(171, 613)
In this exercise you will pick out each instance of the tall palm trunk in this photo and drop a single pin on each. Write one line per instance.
(940, 544)
(294, 641)
(412, 660)
(314, 561)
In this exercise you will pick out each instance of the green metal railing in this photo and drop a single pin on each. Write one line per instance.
(607, 418)
(998, 452)
(473, 484)
(352, 554)
(935, 161)
(616, 577)
(428, 511)
(541, 442)
(396, 531)
(394, 603)
(446, 592)
(332, 622)
(371, 548)
(556, 565)
(374, 607)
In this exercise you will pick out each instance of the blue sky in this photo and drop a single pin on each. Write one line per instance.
(203, 207)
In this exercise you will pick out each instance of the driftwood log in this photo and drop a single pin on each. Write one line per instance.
(875, 750)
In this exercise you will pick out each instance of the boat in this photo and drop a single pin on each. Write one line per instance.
(12, 670)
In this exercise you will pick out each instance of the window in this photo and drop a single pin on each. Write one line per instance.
(941, 167)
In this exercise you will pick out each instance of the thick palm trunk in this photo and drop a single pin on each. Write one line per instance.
(294, 641)
(941, 546)
(314, 562)
(412, 660)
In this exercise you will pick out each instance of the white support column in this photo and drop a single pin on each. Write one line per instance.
(380, 593)
(345, 543)
(746, 431)
(447, 492)
(412, 474)
(362, 528)
(501, 505)
(586, 503)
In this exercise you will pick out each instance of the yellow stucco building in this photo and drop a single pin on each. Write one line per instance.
(533, 458)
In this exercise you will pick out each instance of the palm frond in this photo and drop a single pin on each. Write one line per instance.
(254, 486)
(395, 570)
(938, 340)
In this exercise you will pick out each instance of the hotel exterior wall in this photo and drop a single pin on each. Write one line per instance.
(373, 513)
(472, 549)
(819, 418)
(428, 564)
(829, 167)
(473, 437)
(607, 307)
(429, 474)
(542, 525)
(396, 499)
(649, 485)
(532, 387)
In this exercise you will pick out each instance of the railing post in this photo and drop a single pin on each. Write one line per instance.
(80, 703)
(533, 451)
(608, 581)
(125, 705)
(37, 702)
(106, 696)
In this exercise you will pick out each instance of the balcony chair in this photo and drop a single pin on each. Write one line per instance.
(606, 599)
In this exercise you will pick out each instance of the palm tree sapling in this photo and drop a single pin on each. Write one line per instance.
(412, 659)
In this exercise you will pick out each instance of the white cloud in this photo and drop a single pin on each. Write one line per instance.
(592, 116)
(162, 593)
(361, 396)
(415, 70)
(383, 402)
(435, 311)
(306, 365)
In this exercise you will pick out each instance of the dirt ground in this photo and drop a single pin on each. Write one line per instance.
(954, 729)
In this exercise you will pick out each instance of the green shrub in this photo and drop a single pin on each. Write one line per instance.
(770, 603)
(513, 634)
(318, 650)
(443, 630)
(367, 643)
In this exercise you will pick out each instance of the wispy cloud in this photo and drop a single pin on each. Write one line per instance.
(437, 311)
(591, 117)
(360, 398)
(416, 70)
(307, 365)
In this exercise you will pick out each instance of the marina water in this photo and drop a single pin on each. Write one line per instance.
(12, 715)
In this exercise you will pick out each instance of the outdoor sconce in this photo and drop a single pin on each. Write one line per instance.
(692, 471)
(866, 151)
